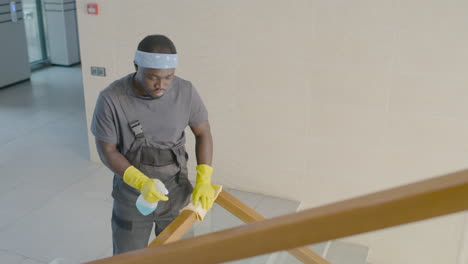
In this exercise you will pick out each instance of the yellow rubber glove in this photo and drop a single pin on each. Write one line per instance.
(135, 178)
(203, 190)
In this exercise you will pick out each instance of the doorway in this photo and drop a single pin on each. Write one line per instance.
(35, 33)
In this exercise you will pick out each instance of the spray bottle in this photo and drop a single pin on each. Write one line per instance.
(146, 207)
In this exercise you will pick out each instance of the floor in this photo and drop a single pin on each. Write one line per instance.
(55, 202)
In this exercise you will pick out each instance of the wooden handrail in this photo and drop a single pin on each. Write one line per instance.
(187, 218)
(414, 202)
(249, 215)
(175, 230)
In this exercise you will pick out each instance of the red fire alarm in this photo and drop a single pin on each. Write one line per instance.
(92, 9)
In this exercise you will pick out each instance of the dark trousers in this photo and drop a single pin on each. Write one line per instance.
(131, 230)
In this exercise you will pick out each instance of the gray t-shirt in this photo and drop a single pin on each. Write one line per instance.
(163, 120)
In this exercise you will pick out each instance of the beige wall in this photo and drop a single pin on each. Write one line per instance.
(316, 101)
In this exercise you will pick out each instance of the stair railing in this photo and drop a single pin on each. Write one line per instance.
(401, 205)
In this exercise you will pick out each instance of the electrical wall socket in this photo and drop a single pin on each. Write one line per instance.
(98, 71)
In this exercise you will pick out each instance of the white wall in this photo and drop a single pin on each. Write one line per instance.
(316, 101)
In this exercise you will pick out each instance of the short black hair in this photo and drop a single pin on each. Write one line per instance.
(157, 44)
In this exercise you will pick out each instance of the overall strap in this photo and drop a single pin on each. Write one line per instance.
(179, 152)
(128, 107)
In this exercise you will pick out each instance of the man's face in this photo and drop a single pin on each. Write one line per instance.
(153, 82)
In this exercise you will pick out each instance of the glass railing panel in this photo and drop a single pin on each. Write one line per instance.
(433, 241)
(219, 218)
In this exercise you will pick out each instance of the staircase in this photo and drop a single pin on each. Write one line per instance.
(337, 253)
(295, 231)
(218, 218)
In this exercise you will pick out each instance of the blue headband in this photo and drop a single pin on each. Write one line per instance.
(155, 60)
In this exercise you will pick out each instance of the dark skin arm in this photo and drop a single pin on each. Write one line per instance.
(203, 143)
(116, 162)
(111, 157)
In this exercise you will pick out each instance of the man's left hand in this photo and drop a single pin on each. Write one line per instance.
(203, 190)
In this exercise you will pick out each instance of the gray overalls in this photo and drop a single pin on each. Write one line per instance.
(130, 229)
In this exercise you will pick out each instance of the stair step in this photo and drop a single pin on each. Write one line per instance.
(286, 258)
(347, 253)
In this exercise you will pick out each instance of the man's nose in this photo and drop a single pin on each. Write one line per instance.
(158, 84)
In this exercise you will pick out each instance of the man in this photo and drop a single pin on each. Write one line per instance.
(139, 123)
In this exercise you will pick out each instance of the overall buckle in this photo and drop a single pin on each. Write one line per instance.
(136, 128)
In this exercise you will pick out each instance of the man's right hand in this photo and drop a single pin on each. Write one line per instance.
(135, 178)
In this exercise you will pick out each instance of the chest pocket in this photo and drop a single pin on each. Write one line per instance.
(157, 157)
